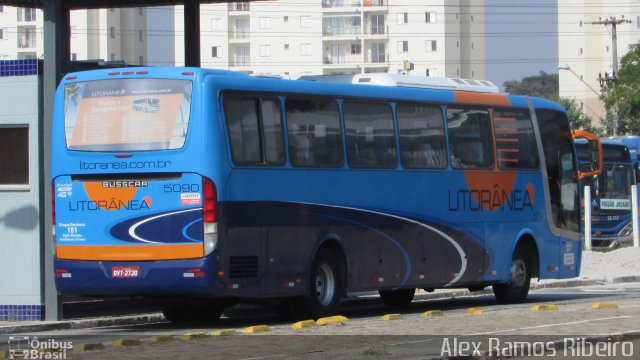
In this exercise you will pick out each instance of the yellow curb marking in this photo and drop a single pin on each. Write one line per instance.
(475, 311)
(389, 317)
(193, 336)
(432, 313)
(304, 324)
(156, 339)
(604, 306)
(88, 347)
(256, 329)
(126, 342)
(227, 332)
(549, 307)
(338, 319)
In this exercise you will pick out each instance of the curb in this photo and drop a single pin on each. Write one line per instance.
(158, 317)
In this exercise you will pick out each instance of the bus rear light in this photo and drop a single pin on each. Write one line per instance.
(209, 216)
(189, 73)
(123, 156)
(142, 73)
(210, 201)
(114, 73)
(194, 273)
(71, 77)
(62, 273)
(127, 73)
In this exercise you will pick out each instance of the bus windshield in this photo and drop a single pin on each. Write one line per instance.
(126, 114)
(612, 187)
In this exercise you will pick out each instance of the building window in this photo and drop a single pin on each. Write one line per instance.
(431, 45)
(305, 21)
(112, 57)
(140, 35)
(356, 49)
(432, 72)
(216, 51)
(4, 33)
(216, 24)
(74, 56)
(285, 18)
(141, 60)
(638, 22)
(286, 46)
(112, 32)
(1, 8)
(265, 50)
(265, 22)
(403, 18)
(140, 11)
(14, 147)
(430, 17)
(305, 49)
(403, 46)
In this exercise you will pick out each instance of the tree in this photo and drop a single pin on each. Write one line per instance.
(623, 95)
(546, 86)
(577, 117)
(543, 85)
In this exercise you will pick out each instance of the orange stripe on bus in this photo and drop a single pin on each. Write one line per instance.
(468, 97)
(129, 252)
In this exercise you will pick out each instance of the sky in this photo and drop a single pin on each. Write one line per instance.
(522, 39)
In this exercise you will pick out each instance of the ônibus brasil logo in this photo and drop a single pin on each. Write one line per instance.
(25, 347)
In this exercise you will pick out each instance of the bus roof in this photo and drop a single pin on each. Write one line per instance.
(401, 80)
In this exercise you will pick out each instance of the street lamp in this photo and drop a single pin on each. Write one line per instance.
(568, 68)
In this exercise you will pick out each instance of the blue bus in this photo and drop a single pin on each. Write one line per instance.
(610, 194)
(237, 188)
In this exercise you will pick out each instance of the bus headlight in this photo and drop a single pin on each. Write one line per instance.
(210, 238)
(627, 230)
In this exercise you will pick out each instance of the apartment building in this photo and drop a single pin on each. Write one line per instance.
(105, 34)
(290, 38)
(585, 47)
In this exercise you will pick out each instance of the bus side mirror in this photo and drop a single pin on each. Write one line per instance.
(594, 146)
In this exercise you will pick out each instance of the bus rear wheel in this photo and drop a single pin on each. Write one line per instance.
(397, 298)
(518, 287)
(325, 286)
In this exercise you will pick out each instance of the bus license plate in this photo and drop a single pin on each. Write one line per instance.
(125, 271)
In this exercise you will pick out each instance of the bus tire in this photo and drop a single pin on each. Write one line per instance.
(517, 289)
(397, 298)
(325, 286)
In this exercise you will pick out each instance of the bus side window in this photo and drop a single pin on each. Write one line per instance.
(371, 141)
(515, 140)
(470, 139)
(422, 140)
(315, 134)
(255, 130)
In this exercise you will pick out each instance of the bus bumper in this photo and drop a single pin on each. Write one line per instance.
(151, 278)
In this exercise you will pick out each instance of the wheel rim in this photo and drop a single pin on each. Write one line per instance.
(518, 273)
(325, 284)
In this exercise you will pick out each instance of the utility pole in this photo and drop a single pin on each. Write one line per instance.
(604, 81)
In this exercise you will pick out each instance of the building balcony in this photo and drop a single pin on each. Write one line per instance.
(240, 34)
(242, 7)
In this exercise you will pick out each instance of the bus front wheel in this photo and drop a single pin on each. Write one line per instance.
(518, 287)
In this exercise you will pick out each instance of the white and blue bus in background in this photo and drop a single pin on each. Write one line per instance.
(236, 188)
(610, 194)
